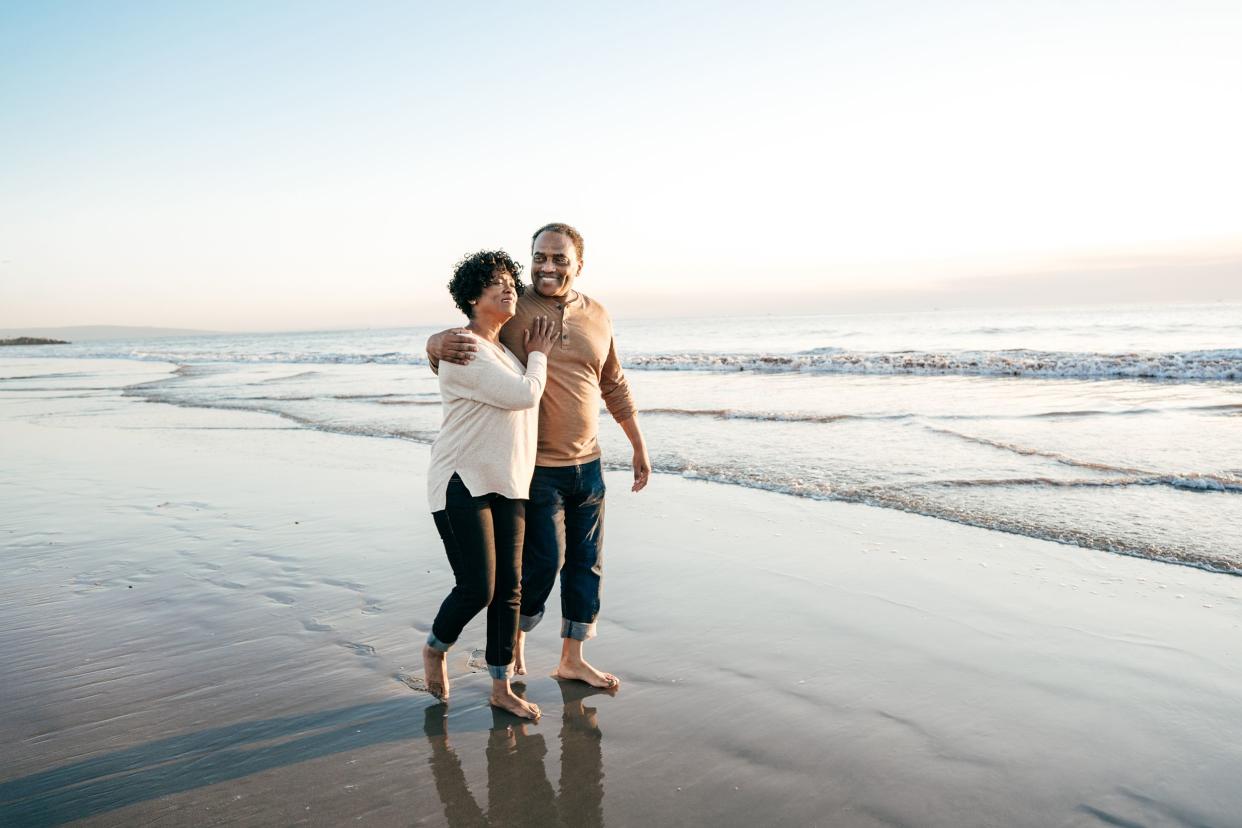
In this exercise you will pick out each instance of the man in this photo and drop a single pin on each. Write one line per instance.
(565, 515)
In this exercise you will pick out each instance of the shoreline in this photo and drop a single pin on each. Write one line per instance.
(1198, 485)
(218, 634)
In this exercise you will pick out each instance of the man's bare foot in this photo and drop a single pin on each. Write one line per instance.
(519, 654)
(580, 670)
(436, 672)
(504, 698)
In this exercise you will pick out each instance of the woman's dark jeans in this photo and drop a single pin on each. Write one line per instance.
(565, 533)
(483, 538)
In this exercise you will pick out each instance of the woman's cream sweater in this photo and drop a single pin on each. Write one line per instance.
(491, 419)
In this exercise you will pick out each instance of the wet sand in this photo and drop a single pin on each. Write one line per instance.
(209, 617)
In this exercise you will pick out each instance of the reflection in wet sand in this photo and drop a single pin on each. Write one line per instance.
(518, 790)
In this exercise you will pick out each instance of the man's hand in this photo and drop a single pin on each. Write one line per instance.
(454, 345)
(642, 463)
(642, 469)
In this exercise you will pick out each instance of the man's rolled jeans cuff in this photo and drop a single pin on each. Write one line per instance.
(577, 630)
(526, 623)
(500, 672)
(436, 644)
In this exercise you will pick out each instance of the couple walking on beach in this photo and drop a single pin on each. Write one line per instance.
(515, 482)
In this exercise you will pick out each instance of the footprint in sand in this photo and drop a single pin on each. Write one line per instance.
(281, 598)
(360, 649)
(311, 625)
(271, 556)
(477, 661)
(372, 608)
(350, 585)
(412, 682)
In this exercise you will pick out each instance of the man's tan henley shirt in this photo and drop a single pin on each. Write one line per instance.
(582, 368)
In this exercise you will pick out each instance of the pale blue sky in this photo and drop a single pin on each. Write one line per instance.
(286, 165)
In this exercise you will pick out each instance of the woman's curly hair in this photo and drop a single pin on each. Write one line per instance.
(476, 272)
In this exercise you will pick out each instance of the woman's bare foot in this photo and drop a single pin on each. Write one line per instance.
(519, 654)
(504, 698)
(580, 670)
(436, 672)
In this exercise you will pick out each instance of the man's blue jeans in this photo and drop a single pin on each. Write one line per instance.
(564, 533)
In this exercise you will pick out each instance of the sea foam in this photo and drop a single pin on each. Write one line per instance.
(1224, 364)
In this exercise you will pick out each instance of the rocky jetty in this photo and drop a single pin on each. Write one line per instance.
(32, 340)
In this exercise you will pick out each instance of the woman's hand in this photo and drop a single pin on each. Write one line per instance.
(540, 336)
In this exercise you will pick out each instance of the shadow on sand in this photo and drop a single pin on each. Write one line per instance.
(518, 789)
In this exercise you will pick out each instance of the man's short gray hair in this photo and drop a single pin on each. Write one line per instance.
(560, 227)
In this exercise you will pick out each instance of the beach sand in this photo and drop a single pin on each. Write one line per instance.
(210, 617)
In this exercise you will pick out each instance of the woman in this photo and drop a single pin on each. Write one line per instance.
(481, 466)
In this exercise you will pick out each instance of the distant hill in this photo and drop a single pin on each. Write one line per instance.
(92, 333)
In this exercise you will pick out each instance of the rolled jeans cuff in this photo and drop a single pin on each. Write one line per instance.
(526, 623)
(502, 672)
(577, 630)
(436, 644)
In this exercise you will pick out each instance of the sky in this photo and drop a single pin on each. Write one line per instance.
(294, 165)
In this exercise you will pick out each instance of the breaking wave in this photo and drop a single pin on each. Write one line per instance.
(1224, 364)
(1220, 365)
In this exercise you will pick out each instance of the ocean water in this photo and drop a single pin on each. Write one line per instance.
(1117, 429)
